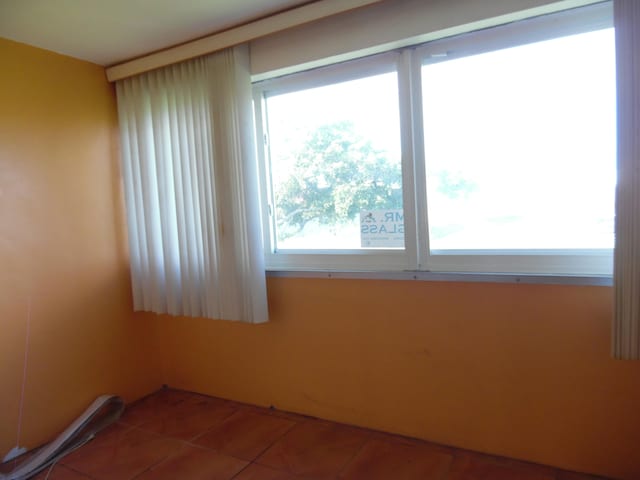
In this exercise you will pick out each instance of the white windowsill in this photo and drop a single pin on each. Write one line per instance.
(593, 280)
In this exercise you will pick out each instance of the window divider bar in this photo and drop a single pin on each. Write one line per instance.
(405, 100)
(418, 167)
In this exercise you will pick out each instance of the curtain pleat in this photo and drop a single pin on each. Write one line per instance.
(626, 277)
(191, 189)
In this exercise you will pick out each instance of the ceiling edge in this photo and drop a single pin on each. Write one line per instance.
(234, 36)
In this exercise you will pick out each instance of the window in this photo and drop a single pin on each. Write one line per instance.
(335, 153)
(488, 152)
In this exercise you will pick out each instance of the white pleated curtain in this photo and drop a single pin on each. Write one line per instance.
(626, 277)
(191, 189)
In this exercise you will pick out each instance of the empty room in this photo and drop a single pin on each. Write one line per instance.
(327, 239)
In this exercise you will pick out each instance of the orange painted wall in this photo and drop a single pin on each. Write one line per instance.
(62, 250)
(510, 369)
(518, 370)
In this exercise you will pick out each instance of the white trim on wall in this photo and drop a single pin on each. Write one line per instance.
(234, 36)
(304, 37)
(385, 26)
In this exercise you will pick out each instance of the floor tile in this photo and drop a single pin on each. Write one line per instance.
(314, 449)
(190, 418)
(156, 405)
(180, 435)
(475, 466)
(577, 476)
(120, 453)
(260, 472)
(380, 460)
(245, 434)
(195, 463)
(60, 472)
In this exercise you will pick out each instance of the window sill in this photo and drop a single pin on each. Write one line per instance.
(591, 280)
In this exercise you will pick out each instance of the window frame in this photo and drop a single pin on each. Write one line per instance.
(408, 61)
(367, 259)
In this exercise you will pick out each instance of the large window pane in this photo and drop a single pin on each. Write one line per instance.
(335, 165)
(520, 146)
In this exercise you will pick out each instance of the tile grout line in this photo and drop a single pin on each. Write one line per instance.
(237, 474)
(250, 410)
(355, 454)
(210, 429)
(75, 470)
(159, 462)
(284, 434)
(553, 473)
(190, 442)
(453, 455)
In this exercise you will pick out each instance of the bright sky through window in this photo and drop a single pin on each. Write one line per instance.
(520, 146)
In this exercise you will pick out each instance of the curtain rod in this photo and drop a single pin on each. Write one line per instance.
(234, 36)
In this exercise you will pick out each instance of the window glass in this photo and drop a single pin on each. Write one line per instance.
(335, 166)
(520, 146)
(517, 173)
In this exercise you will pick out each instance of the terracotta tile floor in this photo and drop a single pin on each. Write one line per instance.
(174, 435)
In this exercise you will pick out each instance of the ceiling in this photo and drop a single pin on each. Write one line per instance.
(107, 32)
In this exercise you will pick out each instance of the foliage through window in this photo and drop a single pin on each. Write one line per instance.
(334, 153)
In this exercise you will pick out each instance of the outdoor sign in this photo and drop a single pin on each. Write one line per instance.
(382, 228)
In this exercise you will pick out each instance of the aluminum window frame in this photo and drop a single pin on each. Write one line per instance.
(365, 259)
(408, 62)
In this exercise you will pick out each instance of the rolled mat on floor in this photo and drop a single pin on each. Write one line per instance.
(104, 411)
